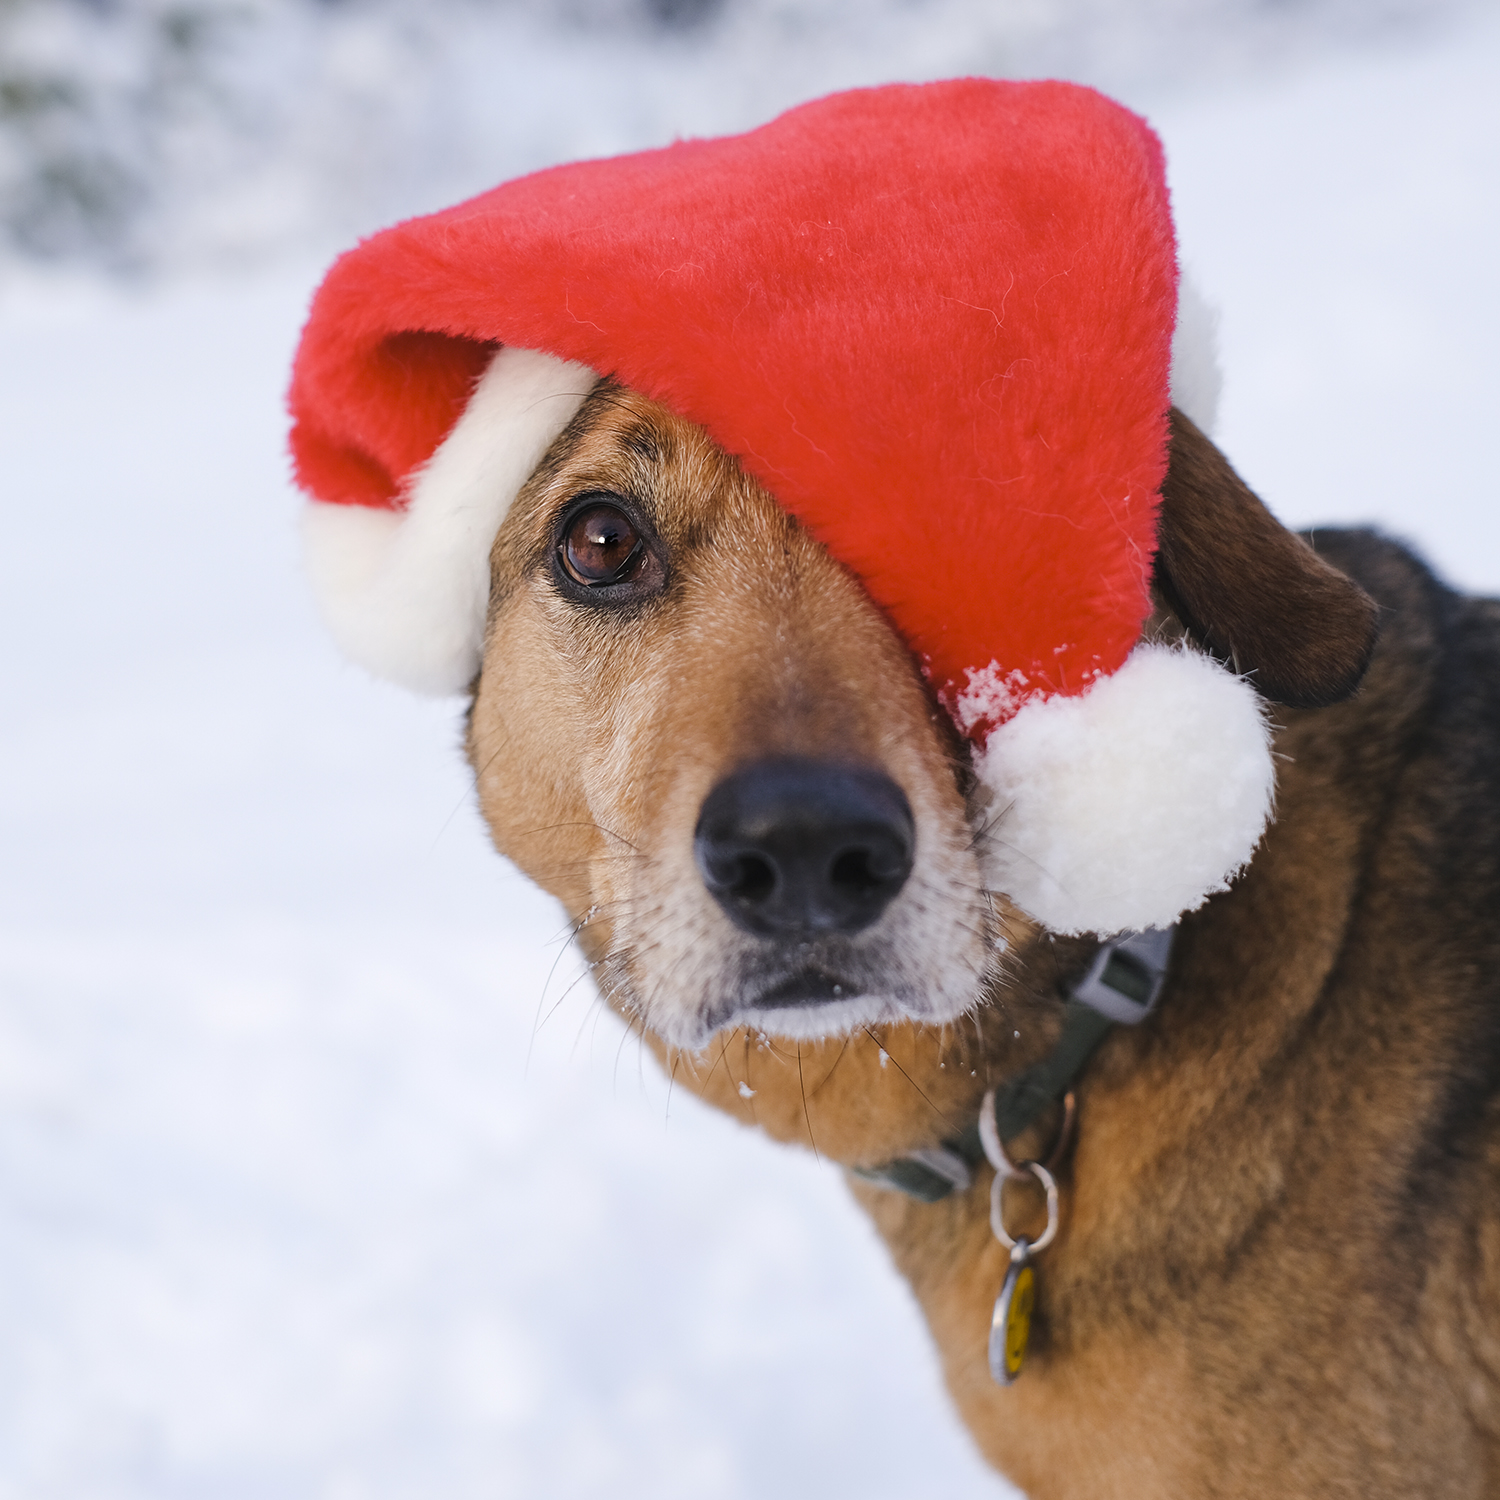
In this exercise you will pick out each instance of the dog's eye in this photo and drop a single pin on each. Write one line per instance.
(600, 546)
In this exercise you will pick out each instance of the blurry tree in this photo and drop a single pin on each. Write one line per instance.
(111, 108)
(90, 92)
(143, 134)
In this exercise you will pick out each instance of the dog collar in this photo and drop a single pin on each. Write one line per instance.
(1121, 986)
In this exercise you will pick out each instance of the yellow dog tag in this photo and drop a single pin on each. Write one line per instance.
(1010, 1326)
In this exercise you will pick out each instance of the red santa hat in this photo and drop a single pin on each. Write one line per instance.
(936, 322)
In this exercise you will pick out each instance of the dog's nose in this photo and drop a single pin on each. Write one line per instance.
(795, 848)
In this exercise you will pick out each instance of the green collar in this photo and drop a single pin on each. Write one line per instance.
(1122, 986)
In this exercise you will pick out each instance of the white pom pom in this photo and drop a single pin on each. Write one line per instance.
(1125, 806)
(405, 592)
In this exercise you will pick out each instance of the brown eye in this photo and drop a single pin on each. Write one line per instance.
(600, 546)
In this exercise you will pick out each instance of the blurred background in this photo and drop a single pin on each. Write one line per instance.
(321, 1172)
(158, 135)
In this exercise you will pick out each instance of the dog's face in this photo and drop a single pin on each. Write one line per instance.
(696, 729)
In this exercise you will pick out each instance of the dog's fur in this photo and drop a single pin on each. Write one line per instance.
(1278, 1271)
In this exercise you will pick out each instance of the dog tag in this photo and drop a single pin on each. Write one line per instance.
(1010, 1327)
(1010, 1323)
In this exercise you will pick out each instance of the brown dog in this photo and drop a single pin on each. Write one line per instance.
(1278, 1265)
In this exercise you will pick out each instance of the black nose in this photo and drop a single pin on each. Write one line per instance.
(795, 848)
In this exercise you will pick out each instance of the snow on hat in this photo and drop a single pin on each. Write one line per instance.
(934, 321)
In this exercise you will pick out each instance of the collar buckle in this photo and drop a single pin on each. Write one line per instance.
(1125, 980)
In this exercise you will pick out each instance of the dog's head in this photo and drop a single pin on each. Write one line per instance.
(695, 728)
(810, 737)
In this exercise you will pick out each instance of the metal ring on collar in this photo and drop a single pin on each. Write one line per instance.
(994, 1147)
(997, 1205)
(989, 1137)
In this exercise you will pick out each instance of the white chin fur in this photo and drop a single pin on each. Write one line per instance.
(1125, 806)
(799, 1023)
(405, 592)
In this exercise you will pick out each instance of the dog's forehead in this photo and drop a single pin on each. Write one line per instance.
(621, 428)
(625, 442)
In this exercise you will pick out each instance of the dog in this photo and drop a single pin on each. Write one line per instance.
(1276, 1264)
(870, 649)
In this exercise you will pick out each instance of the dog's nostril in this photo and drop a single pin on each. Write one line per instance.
(793, 848)
(852, 872)
(756, 879)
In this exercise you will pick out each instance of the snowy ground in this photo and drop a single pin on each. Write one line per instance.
(285, 1210)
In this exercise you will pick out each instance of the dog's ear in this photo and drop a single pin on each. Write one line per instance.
(1252, 592)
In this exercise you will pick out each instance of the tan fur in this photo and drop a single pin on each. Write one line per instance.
(1245, 1298)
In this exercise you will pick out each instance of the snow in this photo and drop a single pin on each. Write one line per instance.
(1345, 222)
(291, 1204)
(321, 1175)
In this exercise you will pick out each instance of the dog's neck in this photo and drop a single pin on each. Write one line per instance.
(1121, 986)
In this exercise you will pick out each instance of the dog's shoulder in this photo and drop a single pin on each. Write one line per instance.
(1430, 711)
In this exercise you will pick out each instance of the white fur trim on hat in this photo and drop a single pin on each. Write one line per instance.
(405, 592)
(1125, 806)
(1196, 380)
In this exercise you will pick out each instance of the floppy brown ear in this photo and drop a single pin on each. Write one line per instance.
(1251, 591)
